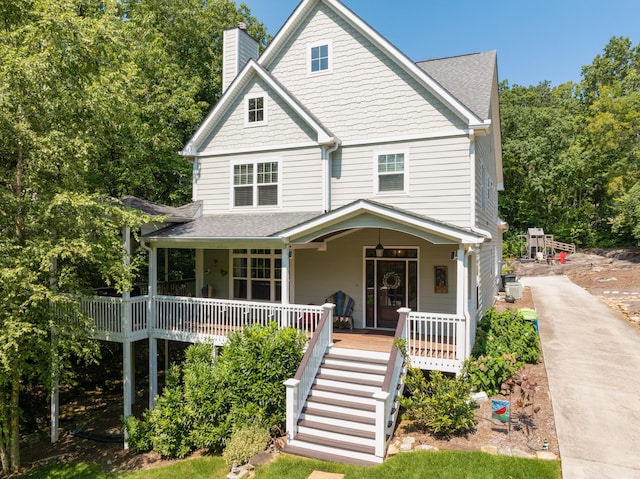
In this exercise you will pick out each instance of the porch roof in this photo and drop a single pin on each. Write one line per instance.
(277, 229)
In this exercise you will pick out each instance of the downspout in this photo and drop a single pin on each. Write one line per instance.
(326, 172)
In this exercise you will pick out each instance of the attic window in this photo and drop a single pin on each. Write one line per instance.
(256, 109)
(320, 58)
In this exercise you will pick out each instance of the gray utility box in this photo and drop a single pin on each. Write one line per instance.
(513, 289)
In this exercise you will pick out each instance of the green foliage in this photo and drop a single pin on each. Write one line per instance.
(504, 343)
(440, 404)
(245, 443)
(206, 400)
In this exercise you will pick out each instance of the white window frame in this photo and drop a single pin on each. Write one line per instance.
(275, 273)
(310, 48)
(254, 183)
(265, 103)
(405, 172)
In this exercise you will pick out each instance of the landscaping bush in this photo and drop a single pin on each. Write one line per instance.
(245, 443)
(505, 342)
(205, 400)
(440, 404)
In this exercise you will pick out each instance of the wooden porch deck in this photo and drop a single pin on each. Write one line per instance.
(364, 340)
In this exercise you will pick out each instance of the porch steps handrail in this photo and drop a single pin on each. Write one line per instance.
(298, 387)
(436, 341)
(387, 399)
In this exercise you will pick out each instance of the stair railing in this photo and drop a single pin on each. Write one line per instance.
(299, 386)
(387, 399)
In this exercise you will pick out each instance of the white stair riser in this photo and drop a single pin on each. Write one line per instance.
(336, 436)
(369, 401)
(337, 452)
(340, 409)
(374, 368)
(349, 375)
(338, 422)
(345, 384)
(359, 354)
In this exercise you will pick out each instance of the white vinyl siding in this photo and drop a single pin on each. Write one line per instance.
(438, 182)
(300, 180)
(284, 126)
(370, 96)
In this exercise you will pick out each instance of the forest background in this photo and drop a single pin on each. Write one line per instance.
(97, 97)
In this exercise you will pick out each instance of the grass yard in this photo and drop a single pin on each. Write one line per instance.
(435, 465)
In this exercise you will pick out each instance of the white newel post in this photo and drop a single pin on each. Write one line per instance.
(292, 386)
(151, 324)
(381, 398)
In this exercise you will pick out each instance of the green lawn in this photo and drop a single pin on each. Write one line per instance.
(434, 465)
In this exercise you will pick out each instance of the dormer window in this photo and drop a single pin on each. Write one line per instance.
(255, 109)
(320, 58)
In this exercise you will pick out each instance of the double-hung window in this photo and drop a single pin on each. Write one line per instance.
(255, 109)
(257, 274)
(391, 172)
(255, 184)
(320, 57)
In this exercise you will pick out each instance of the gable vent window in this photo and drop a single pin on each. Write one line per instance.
(320, 58)
(255, 110)
(255, 184)
(391, 172)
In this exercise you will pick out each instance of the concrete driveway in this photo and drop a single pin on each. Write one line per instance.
(592, 356)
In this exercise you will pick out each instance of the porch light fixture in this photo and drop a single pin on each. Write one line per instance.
(379, 247)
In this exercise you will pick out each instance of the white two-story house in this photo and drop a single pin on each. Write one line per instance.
(333, 162)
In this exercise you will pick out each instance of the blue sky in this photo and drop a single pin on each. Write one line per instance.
(535, 40)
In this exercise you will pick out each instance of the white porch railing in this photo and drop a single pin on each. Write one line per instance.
(299, 386)
(436, 341)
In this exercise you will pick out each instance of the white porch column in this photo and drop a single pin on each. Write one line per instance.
(461, 281)
(151, 324)
(285, 276)
(126, 365)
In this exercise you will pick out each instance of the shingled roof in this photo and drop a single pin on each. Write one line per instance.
(469, 78)
(175, 214)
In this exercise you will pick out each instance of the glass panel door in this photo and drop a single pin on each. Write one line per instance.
(391, 282)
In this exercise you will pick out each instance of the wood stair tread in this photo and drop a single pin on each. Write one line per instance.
(356, 359)
(342, 445)
(349, 380)
(338, 415)
(352, 369)
(339, 390)
(347, 431)
(324, 456)
(342, 403)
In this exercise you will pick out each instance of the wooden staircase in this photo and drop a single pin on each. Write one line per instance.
(338, 419)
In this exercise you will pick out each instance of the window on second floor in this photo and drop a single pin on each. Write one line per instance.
(391, 172)
(255, 109)
(320, 57)
(255, 184)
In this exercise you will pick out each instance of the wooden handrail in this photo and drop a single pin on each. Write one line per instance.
(386, 384)
(310, 347)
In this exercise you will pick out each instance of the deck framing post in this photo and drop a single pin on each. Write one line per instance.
(55, 389)
(126, 366)
(153, 371)
(151, 325)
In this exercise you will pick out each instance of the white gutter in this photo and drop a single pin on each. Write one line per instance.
(327, 152)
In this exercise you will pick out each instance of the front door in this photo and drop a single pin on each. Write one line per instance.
(392, 283)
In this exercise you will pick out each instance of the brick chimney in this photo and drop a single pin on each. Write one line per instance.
(238, 48)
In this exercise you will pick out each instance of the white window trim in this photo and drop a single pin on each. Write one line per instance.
(273, 255)
(255, 162)
(376, 176)
(320, 43)
(265, 109)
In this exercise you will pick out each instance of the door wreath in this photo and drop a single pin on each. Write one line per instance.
(391, 280)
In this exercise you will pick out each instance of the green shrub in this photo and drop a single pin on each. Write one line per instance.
(440, 404)
(505, 342)
(488, 373)
(245, 443)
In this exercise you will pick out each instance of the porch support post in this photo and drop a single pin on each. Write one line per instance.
(151, 324)
(461, 281)
(126, 363)
(55, 396)
(285, 276)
